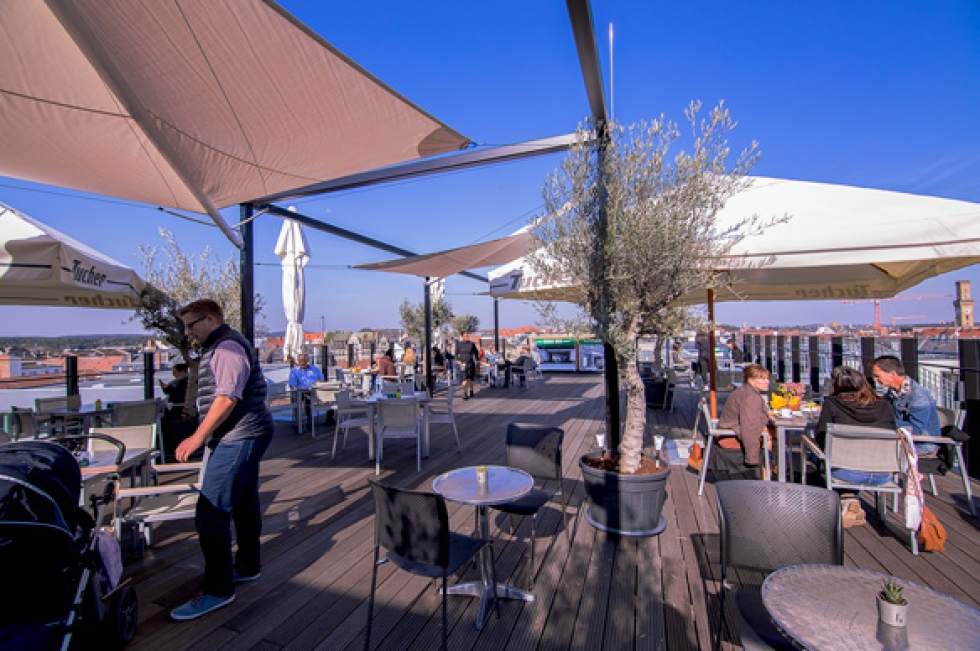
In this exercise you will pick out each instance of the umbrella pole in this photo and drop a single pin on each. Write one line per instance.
(713, 398)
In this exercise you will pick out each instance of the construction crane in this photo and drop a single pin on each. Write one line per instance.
(877, 302)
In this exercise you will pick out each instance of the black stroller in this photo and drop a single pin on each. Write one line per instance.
(56, 592)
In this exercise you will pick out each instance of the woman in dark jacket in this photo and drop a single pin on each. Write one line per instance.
(854, 402)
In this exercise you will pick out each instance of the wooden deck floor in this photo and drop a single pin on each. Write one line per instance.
(594, 591)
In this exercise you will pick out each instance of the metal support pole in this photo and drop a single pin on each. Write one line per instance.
(814, 344)
(149, 390)
(868, 358)
(496, 325)
(71, 375)
(427, 302)
(781, 357)
(970, 377)
(796, 357)
(837, 351)
(247, 271)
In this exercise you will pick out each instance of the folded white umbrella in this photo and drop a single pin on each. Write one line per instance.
(44, 267)
(294, 252)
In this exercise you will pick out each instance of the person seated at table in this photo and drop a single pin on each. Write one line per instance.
(738, 357)
(303, 376)
(386, 365)
(521, 365)
(852, 401)
(677, 357)
(437, 358)
(747, 413)
(409, 357)
(176, 392)
(913, 405)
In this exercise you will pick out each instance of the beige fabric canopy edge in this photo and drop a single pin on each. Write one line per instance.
(195, 105)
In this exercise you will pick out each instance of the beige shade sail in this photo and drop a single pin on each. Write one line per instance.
(40, 266)
(195, 105)
(839, 242)
(446, 263)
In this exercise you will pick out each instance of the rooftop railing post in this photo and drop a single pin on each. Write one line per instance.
(910, 356)
(757, 349)
(836, 352)
(814, 344)
(768, 353)
(747, 349)
(969, 350)
(149, 391)
(71, 375)
(868, 358)
(781, 357)
(794, 344)
(325, 360)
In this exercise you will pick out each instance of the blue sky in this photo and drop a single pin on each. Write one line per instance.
(878, 94)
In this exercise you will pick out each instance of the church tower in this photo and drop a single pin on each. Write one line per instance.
(963, 305)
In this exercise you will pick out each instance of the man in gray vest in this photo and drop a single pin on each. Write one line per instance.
(237, 426)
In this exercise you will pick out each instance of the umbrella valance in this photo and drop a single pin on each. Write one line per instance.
(42, 267)
(195, 105)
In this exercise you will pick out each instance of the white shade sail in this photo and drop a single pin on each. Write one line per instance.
(294, 252)
(839, 242)
(40, 266)
(194, 105)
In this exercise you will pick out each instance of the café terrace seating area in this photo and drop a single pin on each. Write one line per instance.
(592, 590)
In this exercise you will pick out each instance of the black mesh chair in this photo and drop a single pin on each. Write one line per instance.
(766, 526)
(535, 449)
(414, 529)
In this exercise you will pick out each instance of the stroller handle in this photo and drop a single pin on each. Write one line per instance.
(120, 446)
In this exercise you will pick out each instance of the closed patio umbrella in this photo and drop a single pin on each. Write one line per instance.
(293, 250)
(44, 267)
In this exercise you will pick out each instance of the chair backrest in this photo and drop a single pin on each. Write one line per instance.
(343, 399)
(949, 416)
(402, 412)
(325, 395)
(407, 387)
(74, 401)
(26, 422)
(134, 437)
(768, 525)
(411, 524)
(44, 405)
(137, 412)
(870, 449)
(535, 449)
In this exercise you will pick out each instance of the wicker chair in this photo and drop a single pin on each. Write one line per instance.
(765, 526)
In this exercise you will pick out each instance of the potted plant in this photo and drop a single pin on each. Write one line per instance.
(892, 606)
(630, 228)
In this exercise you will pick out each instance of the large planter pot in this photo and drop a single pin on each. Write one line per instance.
(629, 505)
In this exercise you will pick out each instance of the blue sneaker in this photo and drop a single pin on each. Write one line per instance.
(241, 578)
(200, 605)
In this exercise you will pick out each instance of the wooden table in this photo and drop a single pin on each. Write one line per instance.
(832, 608)
(503, 485)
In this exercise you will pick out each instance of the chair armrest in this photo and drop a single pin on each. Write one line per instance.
(813, 447)
(151, 491)
(942, 440)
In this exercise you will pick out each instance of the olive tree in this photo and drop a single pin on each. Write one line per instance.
(174, 279)
(632, 227)
(413, 317)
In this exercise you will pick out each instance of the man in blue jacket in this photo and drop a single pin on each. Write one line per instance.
(914, 407)
(237, 426)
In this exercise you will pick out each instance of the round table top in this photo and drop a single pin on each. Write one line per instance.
(833, 607)
(503, 485)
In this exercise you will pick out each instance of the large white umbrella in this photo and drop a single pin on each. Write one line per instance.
(839, 242)
(43, 267)
(294, 252)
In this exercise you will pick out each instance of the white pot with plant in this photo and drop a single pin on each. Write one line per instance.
(892, 606)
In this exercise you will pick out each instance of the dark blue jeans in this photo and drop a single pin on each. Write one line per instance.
(230, 492)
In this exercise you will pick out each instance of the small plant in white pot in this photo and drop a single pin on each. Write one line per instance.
(892, 606)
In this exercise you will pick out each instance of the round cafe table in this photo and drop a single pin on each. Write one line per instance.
(503, 485)
(831, 607)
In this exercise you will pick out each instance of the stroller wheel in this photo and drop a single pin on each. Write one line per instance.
(121, 617)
